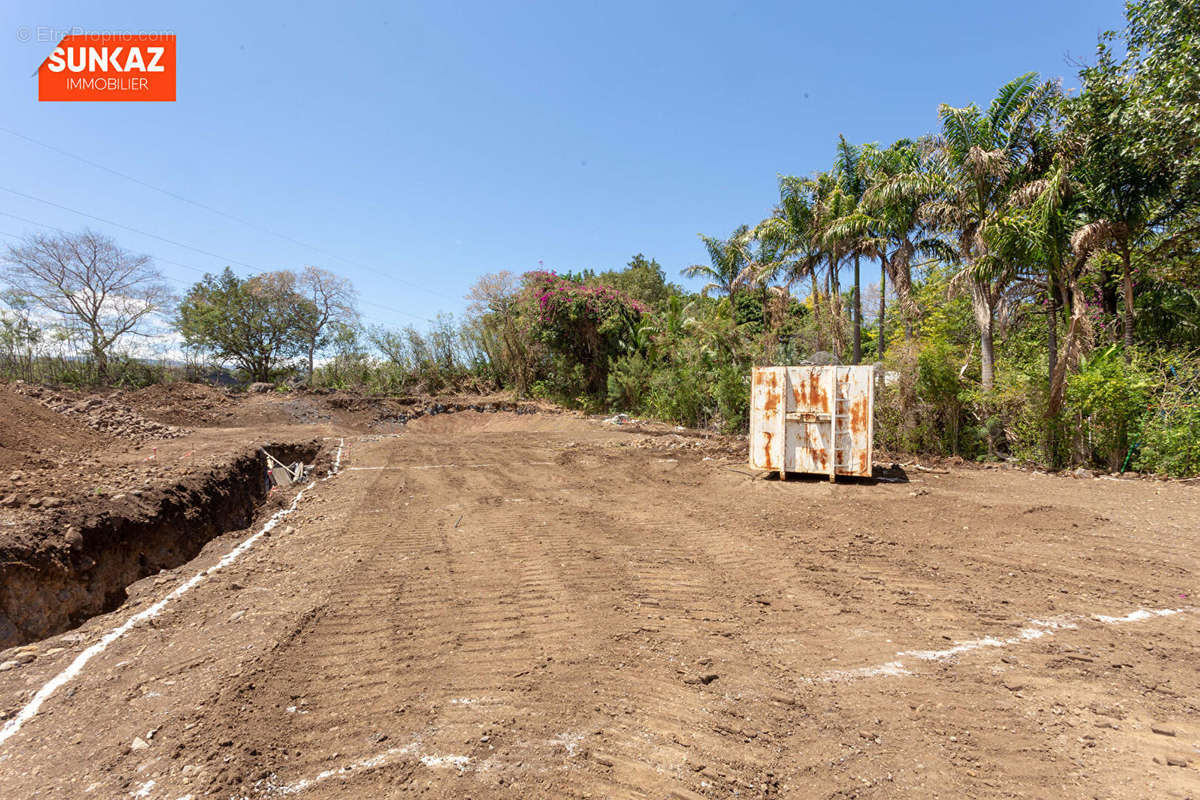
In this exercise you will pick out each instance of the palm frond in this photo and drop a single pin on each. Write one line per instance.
(988, 164)
(1010, 98)
(1094, 235)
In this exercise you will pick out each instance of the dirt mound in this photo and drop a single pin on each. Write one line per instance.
(105, 414)
(77, 558)
(183, 404)
(30, 433)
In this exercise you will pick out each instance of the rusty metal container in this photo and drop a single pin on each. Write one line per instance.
(813, 419)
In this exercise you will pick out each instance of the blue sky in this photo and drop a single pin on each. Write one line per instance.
(414, 147)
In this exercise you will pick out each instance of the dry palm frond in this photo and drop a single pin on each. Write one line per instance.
(1095, 235)
(983, 277)
(978, 239)
(1078, 340)
(940, 214)
(959, 283)
(752, 274)
(988, 163)
(1024, 196)
(1007, 314)
(900, 272)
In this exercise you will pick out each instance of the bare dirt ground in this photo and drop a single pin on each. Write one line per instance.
(502, 605)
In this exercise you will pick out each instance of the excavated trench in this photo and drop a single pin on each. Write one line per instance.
(84, 566)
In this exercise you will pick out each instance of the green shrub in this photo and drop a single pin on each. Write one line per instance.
(731, 391)
(1169, 441)
(629, 382)
(924, 408)
(1105, 400)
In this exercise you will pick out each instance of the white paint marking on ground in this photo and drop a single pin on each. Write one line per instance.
(410, 752)
(143, 790)
(1139, 615)
(75, 667)
(890, 669)
(269, 786)
(422, 466)
(453, 466)
(443, 762)
(568, 741)
(1036, 630)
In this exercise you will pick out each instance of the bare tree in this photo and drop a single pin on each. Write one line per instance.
(334, 298)
(493, 315)
(98, 289)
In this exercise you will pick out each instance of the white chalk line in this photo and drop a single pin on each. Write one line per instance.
(422, 466)
(1036, 629)
(75, 667)
(408, 752)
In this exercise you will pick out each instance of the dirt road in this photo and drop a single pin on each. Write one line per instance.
(523, 606)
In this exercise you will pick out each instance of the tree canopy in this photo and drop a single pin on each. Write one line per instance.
(257, 323)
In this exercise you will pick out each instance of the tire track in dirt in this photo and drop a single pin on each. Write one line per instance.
(584, 620)
(498, 642)
(422, 599)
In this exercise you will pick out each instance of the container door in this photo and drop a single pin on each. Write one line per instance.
(809, 444)
(855, 424)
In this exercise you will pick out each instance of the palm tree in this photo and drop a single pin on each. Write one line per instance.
(978, 161)
(1035, 231)
(794, 236)
(858, 239)
(726, 270)
(830, 204)
(1120, 186)
(887, 225)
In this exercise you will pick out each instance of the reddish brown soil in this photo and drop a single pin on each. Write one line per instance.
(501, 605)
(31, 434)
(55, 460)
(184, 404)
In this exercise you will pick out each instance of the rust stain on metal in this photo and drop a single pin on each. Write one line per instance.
(858, 415)
(800, 394)
(772, 400)
(817, 396)
(827, 423)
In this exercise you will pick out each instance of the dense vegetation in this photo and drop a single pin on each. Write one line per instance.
(1039, 281)
(1038, 290)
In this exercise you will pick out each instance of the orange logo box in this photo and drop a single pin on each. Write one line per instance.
(109, 67)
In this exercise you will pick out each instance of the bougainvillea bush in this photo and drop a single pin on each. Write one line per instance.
(584, 328)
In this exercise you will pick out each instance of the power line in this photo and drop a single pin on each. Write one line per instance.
(190, 266)
(129, 228)
(165, 239)
(224, 214)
